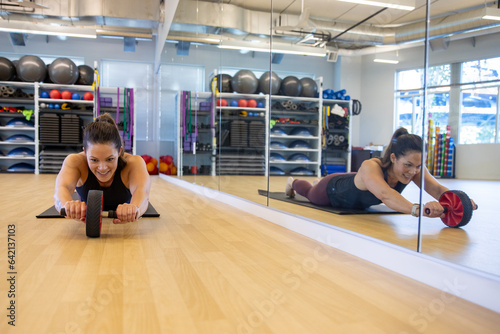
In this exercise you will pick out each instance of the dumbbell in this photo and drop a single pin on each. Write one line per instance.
(94, 215)
(457, 208)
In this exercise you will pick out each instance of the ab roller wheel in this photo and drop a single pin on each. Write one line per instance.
(457, 208)
(93, 220)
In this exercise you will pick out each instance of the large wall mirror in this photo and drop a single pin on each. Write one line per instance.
(463, 88)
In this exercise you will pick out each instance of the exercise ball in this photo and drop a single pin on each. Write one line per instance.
(63, 71)
(264, 83)
(290, 86)
(85, 75)
(7, 69)
(224, 84)
(309, 87)
(31, 69)
(88, 96)
(245, 82)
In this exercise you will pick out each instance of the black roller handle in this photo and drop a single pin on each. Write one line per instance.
(104, 214)
(427, 211)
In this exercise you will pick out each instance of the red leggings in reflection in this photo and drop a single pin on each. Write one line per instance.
(315, 194)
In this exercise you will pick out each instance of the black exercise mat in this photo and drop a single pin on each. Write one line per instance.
(300, 200)
(52, 212)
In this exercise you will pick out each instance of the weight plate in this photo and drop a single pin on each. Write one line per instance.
(94, 208)
(459, 208)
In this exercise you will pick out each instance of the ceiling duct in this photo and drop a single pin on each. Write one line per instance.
(213, 21)
(442, 27)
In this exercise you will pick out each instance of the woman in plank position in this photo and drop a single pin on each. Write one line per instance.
(378, 180)
(103, 165)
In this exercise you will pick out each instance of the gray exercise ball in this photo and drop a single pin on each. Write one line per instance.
(85, 75)
(291, 86)
(309, 87)
(245, 82)
(31, 69)
(264, 83)
(224, 83)
(7, 69)
(63, 71)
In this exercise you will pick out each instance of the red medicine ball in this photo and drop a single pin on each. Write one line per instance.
(221, 103)
(88, 96)
(242, 103)
(252, 103)
(55, 94)
(66, 95)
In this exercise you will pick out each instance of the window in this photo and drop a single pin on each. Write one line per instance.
(479, 106)
(471, 103)
(409, 97)
(478, 115)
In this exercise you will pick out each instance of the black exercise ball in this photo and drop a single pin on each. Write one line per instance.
(224, 83)
(31, 69)
(85, 75)
(264, 83)
(7, 69)
(245, 82)
(291, 86)
(63, 71)
(309, 87)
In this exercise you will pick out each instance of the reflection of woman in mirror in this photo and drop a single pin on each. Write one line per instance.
(379, 180)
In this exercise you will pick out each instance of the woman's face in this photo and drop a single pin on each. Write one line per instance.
(102, 160)
(406, 166)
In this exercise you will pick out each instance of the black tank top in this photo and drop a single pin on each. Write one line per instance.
(343, 193)
(117, 193)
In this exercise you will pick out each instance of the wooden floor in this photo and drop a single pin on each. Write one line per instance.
(474, 245)
(202, 267)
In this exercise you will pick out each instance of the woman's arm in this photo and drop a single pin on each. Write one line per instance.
(370, 177)
(139, 185)
(66, 182)
(431, 185)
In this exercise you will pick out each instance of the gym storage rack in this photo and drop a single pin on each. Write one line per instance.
(295, 135)
(17, 140)
(52, 133)
(242, 137)
(60, 129)
(243, 140)
(196, 132)
(336, 154)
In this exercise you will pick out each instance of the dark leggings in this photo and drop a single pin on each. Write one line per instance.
(315, 194)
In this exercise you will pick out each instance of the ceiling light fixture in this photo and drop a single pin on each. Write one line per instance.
(286, 49)
(386, 61)
(51, 30)
(396, 4)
